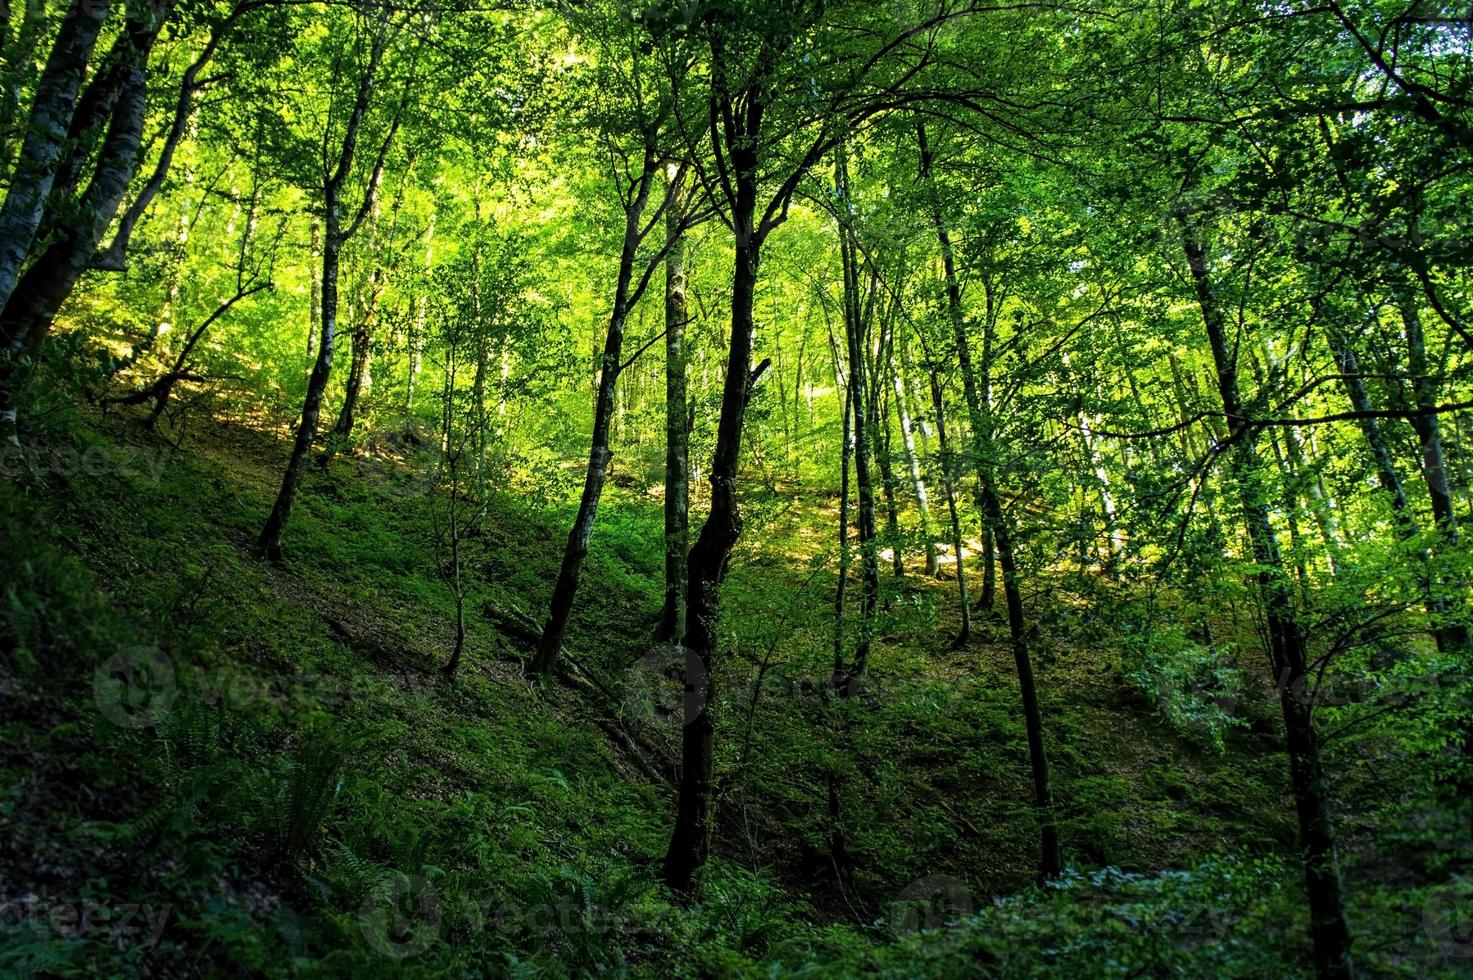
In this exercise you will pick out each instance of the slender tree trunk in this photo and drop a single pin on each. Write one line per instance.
(855, 331)
(913, 465)
(360, 365)
(841, 587)
(1403, 519)
(948, 487)
(1113, 542)
(417, 326)
(164, 387)
(994, 518)
(268, 545)
(888, 482)
(1453, 635)
(1288, 651)
(452, 456)
(453, 664)
(599, 455)
(315, 308)
(677, 422)
(115, 257)
(342, 430)
(1051, 862)
(976, 415)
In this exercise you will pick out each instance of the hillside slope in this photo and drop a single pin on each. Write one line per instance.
(210, 765)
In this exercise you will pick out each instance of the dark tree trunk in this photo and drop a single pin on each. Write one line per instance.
(841, 587)
(164, 387)
(114, 258)
(1451, 634)
(1288, 651)
(1051, 863)
(599, 455)
(342, 430)
(976, 414)
(1403, 519)
(677, 421)
(362, 359)
(995, 520)
(335, 235)
(52, 108)
(48, 281)
(880, 433)
(690, 842)
(913, 464)
(948, 486)
(268, 545)
(856, 337)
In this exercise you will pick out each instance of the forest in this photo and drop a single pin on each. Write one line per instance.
(735, 488)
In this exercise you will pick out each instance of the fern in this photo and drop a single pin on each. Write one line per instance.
(306, 792)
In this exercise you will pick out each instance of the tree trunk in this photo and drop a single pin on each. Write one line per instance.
(690, 841)
(948, 486)
(841, 586)
(46, 131)
(1403, 519)
(268, 545)
(45, 285)
(115, 257)
(599, 455)
(1051, 863)
(1288, 651)
(855, 334)
(342, 430)
(995, 519)
(913, 465)
(1454, 634)
(677, 421)
(888, 483)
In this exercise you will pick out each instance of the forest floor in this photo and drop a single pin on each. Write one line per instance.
(302, 792)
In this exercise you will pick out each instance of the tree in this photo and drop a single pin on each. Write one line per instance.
(358, 69)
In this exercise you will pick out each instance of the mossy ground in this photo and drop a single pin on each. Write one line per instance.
(316, 799)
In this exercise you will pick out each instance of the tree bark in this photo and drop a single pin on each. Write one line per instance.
(335, 235)
(48, 281)
(268, 545)
(1403, 519)
(690, 841)
(984, 454)
(1288, 650)
(856, 337)
(948, 485)
(576, 550)
(913, 465)
(52, 108)
(1451, 634)
(841, 586)
(677, 420)
(114, 258)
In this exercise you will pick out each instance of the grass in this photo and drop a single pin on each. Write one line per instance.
(314, 799)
